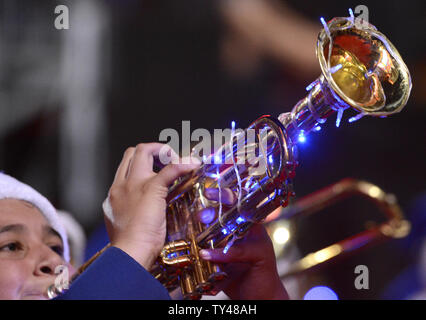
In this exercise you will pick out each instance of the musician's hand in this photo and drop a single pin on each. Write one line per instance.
(251, 267)
(138, 202)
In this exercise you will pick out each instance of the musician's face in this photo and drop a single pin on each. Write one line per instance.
(30, 250)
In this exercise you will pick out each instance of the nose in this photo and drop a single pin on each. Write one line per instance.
(47, 261)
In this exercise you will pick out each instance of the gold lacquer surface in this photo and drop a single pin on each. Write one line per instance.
(352, 78)
(364, 69)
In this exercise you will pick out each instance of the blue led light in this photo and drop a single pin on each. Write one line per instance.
(270, 159)
(225, 250)
(225, 231)
(228, 245)
(325, 27)
(336, 68)
(302, 137)
(172, 255)
(213, 175)
(351, 13)
(356, 118)
(317, 128)
(313, 84)
(240, 220)
(339, 117)
(320, 293)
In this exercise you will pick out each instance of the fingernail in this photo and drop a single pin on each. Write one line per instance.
(210, 192)
(206, 215)
(205, 254)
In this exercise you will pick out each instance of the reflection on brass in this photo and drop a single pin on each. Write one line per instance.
(353, 80)
(369, 62)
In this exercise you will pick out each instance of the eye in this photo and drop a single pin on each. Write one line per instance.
(11, 247)
(58, 249)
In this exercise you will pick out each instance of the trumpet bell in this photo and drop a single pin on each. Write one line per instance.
(362, 67)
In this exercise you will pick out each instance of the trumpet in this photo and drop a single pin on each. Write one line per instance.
(361, 71)
(394, 227)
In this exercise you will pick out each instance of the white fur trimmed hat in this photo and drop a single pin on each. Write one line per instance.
(10, 188)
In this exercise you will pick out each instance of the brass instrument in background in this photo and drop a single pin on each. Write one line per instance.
(361, 70)
(394, 227)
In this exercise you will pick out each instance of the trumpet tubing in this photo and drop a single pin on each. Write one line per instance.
(394, 227)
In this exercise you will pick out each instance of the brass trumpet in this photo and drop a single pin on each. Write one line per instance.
(361, 70)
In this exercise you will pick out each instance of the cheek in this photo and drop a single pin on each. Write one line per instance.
(71, 269)
(12, 277)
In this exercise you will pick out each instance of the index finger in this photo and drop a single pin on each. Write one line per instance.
(143, 159)
(123, 168)
(173, 171)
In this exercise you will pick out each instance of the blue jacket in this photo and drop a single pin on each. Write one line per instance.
(114, 275)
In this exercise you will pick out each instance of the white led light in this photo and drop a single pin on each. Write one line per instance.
(281, 235)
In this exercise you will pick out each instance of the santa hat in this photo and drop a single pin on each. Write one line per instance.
(76, 236)
(10, 188)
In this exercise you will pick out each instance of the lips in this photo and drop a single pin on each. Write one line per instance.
(34, 296)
